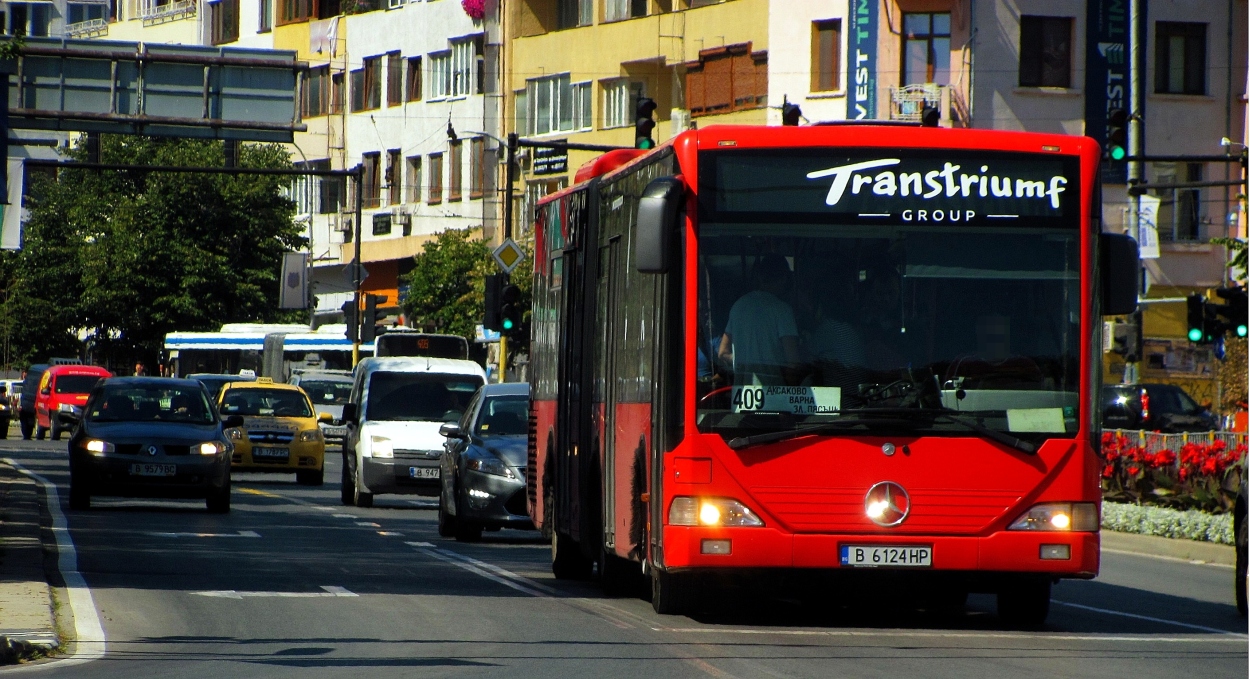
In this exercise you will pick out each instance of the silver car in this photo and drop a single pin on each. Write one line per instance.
(328, 392)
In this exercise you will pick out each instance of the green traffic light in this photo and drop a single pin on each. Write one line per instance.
(507, 324)
(1118, 153)
(1195, 334)
(645, 144)
(1241, 330)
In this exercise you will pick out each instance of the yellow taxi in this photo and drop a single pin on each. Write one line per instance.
(280, 431)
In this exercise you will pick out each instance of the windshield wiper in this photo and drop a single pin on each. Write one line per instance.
(951, 416)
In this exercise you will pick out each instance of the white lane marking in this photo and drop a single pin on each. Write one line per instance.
(1223, 637)
(330, 591)
(240, 534)
(419, 544)
(1169, 558)
(344, 516)
(444, 557)
(368, 524)
(1135, 616)
(89, 638)
(503, 572)
(390, 534)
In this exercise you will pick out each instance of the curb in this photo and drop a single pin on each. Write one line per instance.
(27, 625)
(1172, 548)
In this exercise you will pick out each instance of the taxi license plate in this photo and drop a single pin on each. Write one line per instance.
(423, 472)
(880, 556)
(153, 469)
(270, 453)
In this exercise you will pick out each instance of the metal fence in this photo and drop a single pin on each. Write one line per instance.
(1154, 442)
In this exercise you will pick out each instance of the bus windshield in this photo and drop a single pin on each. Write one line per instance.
(815, 307)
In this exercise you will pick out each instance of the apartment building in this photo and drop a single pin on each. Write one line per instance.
(574, 70)
(1052, 66)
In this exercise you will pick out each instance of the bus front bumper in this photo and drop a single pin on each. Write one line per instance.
(1059, 554)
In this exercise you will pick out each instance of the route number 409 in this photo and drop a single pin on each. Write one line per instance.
(748, 398)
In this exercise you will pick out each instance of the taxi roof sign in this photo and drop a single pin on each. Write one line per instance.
(508, 255)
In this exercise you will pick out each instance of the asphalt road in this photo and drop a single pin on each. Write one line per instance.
(293, 584)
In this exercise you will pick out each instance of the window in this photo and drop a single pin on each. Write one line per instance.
(455, 170)
(826, 55)
(373, 82)
(616, 10)
(436, 179)
(724, 79)
(316, 92)
(224, 20)
(1180, 58)
(414, 179)
(1045, 51)
(440, 75)
(414, 79)
(81, 12)
(394, 177)
(394, 79)
(266, 16)
(573, 13)
(620, 98)
(337, 87)
(521, 114)
(463, 67)
(372, 187)
(477, 167)
(358, 90)
(927, 48)
(552, 103)
(31, 19)
(293, 11)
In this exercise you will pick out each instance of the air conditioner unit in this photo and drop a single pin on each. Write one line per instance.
(400, 216)
(341, 223)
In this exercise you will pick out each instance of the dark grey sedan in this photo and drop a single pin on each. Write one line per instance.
(483, 464)
(151, 437)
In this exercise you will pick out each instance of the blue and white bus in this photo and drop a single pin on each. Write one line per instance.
(239, 348)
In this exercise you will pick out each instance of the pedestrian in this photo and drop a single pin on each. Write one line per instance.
(6, 412)
(140, 371)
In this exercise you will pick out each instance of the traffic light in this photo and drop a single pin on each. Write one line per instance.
(492, 298)
(509, 312)
(791, 114)
(352, 319)
(644, 123)
(1196, 315)
(1232, 313)
(1117, 134)
(371, 317)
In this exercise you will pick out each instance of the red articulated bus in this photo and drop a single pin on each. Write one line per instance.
(865, 356)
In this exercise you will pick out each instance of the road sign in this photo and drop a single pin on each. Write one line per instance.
(349, 273)
(508, 255)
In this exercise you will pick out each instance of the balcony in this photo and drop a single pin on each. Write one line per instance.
(156, 12)
(908, 102)
(91, 28)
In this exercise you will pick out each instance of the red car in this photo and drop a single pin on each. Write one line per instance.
(62, 393)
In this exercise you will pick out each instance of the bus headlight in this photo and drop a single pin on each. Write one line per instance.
(711, 511)
(1059, 516)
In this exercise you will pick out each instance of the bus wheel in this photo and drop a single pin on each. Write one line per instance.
(567, 560)
(1024, 605)
(670, 594)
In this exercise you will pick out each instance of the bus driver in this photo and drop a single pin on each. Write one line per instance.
(761, 340)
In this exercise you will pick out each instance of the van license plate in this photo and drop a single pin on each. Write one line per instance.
(153, 469)
(423, 472)
(872, 556)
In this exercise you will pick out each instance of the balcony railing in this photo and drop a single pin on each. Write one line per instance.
(90, 28)
(152, 13)
(909, 101)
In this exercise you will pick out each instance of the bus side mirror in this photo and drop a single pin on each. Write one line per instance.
(349, 413)
(657, 223)
(1121, 272)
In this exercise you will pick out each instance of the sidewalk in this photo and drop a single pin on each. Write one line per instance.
(27, 630)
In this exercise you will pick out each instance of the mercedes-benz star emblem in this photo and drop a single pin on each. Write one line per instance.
(887, 504)
(152, 451)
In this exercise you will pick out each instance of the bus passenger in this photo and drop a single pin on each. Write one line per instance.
(761, 340)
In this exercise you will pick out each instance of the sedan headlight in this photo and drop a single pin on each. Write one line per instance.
(234, 434)
(711, 511)
(98, 447)
(212, 448)
(309, 435)
(380, 446)
(1059, 516)
(490, 465)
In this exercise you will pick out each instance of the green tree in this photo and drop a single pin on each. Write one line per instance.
(119, 259)
(445, 289)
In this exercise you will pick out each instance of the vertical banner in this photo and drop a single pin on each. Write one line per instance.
(1107, 52)
(1148, 227)
(11, 211)
(861, 61)
(294, 292)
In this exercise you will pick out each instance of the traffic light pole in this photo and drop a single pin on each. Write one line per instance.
(357, 267)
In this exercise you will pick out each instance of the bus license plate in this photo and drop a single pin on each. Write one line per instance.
(423, 472)
(911, 556)
(153, 469)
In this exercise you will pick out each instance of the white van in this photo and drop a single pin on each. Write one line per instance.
(397, 405)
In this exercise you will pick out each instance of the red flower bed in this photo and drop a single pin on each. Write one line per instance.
(1203, 476)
